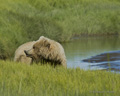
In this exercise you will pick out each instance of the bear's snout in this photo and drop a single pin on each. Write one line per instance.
(26, 53)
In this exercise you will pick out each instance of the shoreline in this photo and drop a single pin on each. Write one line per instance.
(77, 37)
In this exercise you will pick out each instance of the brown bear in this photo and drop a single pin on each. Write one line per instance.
(47, 50)
(20, 56)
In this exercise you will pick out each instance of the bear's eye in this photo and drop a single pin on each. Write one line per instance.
(33, 47)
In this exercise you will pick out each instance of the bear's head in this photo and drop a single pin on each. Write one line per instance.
(40, 49)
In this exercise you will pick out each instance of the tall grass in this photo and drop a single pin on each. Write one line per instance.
(26, 20)
(23, 80)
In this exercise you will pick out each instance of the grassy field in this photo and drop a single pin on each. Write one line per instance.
(61, 20)
(23, 80)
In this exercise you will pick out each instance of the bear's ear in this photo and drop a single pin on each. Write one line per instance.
(46, 44)
(41, 37)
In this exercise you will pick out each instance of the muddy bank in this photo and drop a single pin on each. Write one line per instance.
(107, 61)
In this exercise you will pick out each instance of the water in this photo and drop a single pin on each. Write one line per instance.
(94, 53)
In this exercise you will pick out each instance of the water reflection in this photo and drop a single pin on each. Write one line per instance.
(79, 52)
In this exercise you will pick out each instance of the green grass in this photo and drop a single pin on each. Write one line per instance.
(23, 80)
(61, 20)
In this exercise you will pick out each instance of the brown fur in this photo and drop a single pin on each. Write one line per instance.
(49, 51)
(20, 56)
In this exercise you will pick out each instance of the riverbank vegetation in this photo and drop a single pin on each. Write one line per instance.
(61, 20)
(23, 80)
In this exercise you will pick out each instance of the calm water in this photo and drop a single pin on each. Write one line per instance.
(94, 53)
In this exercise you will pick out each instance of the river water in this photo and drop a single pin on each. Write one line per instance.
(100, 53)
